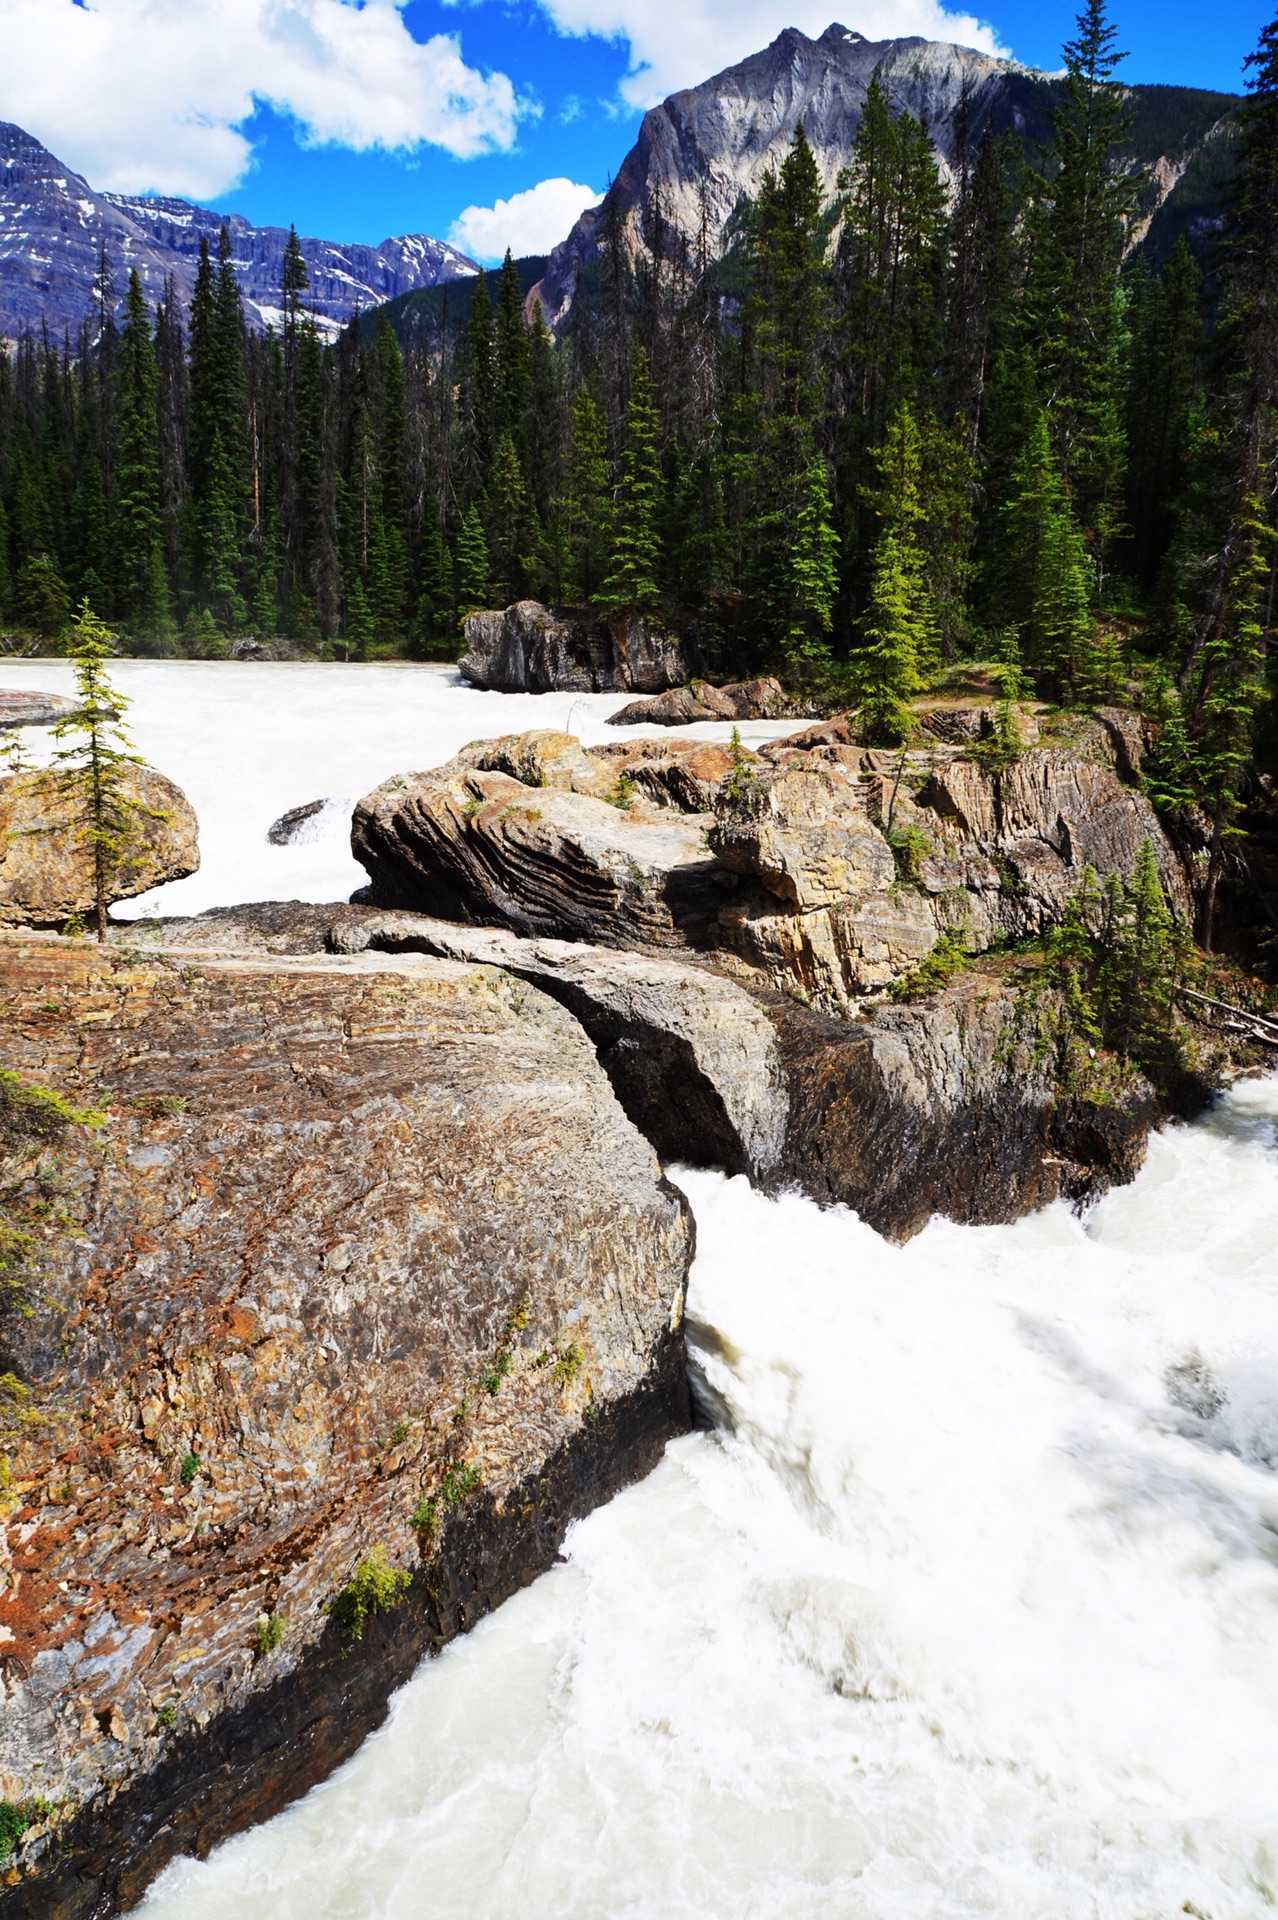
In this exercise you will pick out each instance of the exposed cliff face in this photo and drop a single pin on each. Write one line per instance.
(46, 867)
(358, 1235)
(53, 227)
(528, 648)
(703, 149)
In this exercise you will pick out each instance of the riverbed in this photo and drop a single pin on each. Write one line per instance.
(963, 1603)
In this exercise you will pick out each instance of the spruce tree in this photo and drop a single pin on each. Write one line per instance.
(897, 638)
(1072, 317)
(470, 564)
(635, 559)
(514, 362)
(586, 511)
(508, 529)
(139, 563)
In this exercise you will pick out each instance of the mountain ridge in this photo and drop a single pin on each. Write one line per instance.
(53, 226)
(705, 148)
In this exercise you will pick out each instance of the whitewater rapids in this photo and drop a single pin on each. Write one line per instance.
(965, 1604)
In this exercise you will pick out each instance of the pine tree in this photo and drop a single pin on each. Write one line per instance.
(91, 775)
(470, 564)
(897, 641)
(480, 390)
(635, 561)
(508, 529)
(813, 577)
(139, 566)
(1073, 312)
(586, 512)
(1041, 564)
(1164, 382)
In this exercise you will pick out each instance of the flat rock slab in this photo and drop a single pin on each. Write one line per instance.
(349, 1225)
(20, 709)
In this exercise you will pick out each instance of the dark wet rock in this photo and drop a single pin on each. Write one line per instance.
(290, 824)
(529, 648)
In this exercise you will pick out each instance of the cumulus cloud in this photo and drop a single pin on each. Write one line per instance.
(142, 95)
(530, 222)
(668, 53)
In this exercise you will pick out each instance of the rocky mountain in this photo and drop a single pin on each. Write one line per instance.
(53, 227)
(702, 150)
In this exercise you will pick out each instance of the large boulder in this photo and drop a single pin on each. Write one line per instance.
(364, 1268)
(46, 867)
(763, 699)
(530, 648)
(464, 843)
(21, 709)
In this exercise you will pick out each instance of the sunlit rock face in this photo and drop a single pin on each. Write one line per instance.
(363, 1259)
(704, 149)
(47, 862)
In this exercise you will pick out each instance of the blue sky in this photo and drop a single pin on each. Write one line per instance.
(362, 118)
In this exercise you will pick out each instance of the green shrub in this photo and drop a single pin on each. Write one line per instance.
(933, 972)
(268, 1631)
(910, 848)
(461, 1478)
(374, 1587)
(191, 1465)
(16, 1818)
(167, 1715)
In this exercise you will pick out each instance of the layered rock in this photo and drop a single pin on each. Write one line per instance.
(46, 864)
(21, 709)
(364, 1266)
(764, 699)
(827, 869)
(529, 648)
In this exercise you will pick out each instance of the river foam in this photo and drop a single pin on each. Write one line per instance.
(965, 1604)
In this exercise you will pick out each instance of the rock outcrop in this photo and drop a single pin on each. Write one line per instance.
(824, 869)
(21, 709)
(764, 699)
(358, 1288)
(528, 648)
(46, 868)
(705, 149)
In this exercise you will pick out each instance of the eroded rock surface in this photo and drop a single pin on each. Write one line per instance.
(21, 709)
(764, 699)
(530, 648)
(351, 1226)
(826, 868)
(46, 869)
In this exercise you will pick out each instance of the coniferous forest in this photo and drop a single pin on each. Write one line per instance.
(872, 441)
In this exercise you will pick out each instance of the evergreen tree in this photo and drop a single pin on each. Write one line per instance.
(470, 564)
(508, 530)
(1042, 564)
(897, 639)
(514, 362)
(139, 564)
(813, 576)
(585, 515)
(91, 774)
(635, 560)
(1073, 313)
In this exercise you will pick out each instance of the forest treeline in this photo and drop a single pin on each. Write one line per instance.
(875, 437)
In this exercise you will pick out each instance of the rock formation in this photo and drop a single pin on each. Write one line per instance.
(701, 151)
(823, 868)
(359, 1287)
(21, 709)
(46, 869)
(55, 227)
(764, 699)
(529, 648)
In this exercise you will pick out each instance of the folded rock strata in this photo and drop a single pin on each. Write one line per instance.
(529, 648)
(824, 868)
(46, 866)
(357, 1234)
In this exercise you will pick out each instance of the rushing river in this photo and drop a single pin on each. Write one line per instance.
(965, 1605)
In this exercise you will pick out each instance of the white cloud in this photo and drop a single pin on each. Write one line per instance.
(667, 52)
(143, 95)
(530, 222)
